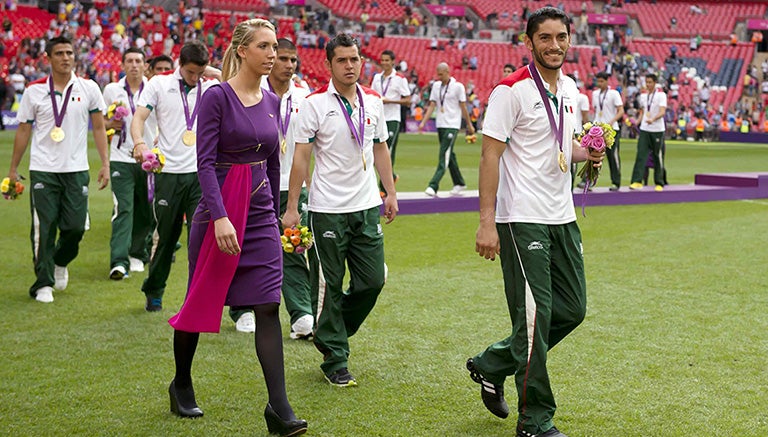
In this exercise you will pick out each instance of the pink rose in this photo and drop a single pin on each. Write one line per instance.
(300, 249)
(595, 131)
(149, 156)
(121, 112)
(146, 166)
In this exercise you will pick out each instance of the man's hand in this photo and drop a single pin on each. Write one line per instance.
(390, 207)
(487, 241)
(291, 218)
(103, 177)
(138, 152)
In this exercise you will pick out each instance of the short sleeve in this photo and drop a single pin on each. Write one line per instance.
(110, 95)
(26, 112)
(462, 92)
(307, 123)
(148, 97)
(501, 113)
(663, 100)
(433, 97)
(96, 100)
(617, 99)
(382, 133)
(405, 91)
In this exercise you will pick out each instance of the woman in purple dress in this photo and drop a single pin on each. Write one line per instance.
(235, 256)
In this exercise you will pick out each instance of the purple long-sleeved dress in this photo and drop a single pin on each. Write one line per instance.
(230, 133)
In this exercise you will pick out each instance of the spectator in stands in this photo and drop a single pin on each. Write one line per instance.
(473, 62)
(173, 98)
(449, 97)
(343, 202)
(395, 93)
(653, 105)
(508, 69)
(132, 222)
(57, 110)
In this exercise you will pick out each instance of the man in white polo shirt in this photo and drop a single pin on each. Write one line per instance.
(60, 106)
(132, 220)
(344, 124)
(653, 105)
(450, 99)
(609, 109)
(173, 96)
(295, 288)
(527, 219)
(395, 93)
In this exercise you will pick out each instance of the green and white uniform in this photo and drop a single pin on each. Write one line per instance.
(541, 254)
(651, 138)
(447, 100)
(343, 216)
(392, 87)
(177, 190)
(132, 219)
(58, 172)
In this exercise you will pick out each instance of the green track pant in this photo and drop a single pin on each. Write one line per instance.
(132, 221)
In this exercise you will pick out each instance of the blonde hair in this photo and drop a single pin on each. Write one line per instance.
(241, 36)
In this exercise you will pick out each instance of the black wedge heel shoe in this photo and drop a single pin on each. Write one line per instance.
(183, 402)
(276, 425)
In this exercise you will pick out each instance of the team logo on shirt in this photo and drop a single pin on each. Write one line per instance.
(538, 105)
(332, 113)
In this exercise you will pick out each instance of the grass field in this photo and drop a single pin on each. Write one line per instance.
(674, 343)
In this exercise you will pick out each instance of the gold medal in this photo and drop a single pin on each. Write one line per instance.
(283, 146)
(363, 156)
(57, 134)
(562, 163)
(600, 114)
(189, 138)
(442, 109)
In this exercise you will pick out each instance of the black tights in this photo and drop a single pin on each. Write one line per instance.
(269, 350)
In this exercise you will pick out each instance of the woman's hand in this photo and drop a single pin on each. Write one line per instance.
(226, 237)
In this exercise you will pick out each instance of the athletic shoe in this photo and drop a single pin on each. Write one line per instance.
(552, 432)
(302, 328)
(246, 323)
(153, 304)
(581, 185)
(137, 265)
(117, 273)
(636, 186)
(659, 188)
(614, 188)
(492, 394)
(457, 189)
(60, 277)
(341, 378)
(430, 192)
(44, 295)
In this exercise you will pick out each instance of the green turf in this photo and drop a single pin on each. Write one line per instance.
(674, 343)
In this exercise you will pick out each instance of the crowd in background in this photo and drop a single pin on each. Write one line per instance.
(134, 23)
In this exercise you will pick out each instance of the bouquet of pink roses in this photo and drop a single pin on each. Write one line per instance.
(117, 111)
(598, 137)
(153, 161)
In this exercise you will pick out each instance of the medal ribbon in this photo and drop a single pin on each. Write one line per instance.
(444, 93)
(385, 88)
(127, 87)
(283, 122)
(359, 136)
(558, 130)
(190, 120)
(650, 101)
(601, 98)
(58, 117)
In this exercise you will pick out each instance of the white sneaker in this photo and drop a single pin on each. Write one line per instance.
(118, 273)
(137, 265)
(303, 327)
(457, 189)
(430, 192)
(60, 277)
(246, 323)
(44, 295)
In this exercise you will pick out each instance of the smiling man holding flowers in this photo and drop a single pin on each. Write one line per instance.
(528, 219)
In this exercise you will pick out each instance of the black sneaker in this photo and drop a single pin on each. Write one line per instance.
(341, 378)
(552, 432)
(492, 394)
(153, 304)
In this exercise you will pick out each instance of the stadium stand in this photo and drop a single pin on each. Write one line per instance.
(385, 11)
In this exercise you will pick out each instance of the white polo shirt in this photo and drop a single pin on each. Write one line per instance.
(339, 182)
(297, 94)
(163, 95)
(532, 188)
(116, 92)
(657, 100)
(582, 105)
(447, 99)
(397, 87)
(606, 104)
(71, 154)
